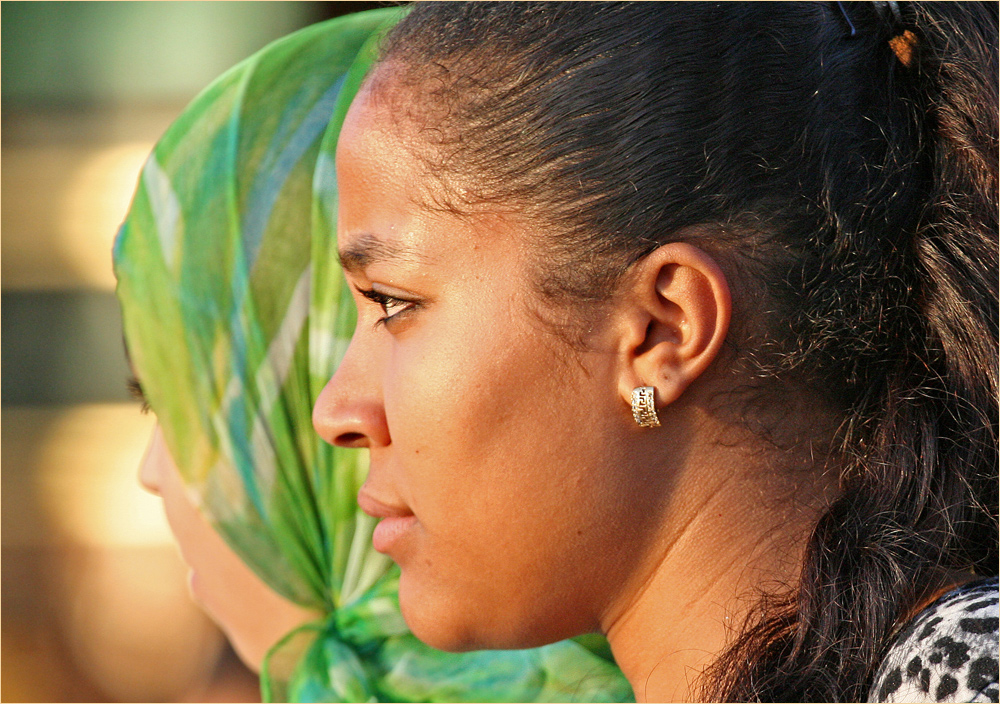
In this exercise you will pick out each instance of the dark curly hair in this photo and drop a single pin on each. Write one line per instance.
(840, 160)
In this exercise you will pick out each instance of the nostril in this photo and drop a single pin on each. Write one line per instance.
(348, 411)
(350, 440)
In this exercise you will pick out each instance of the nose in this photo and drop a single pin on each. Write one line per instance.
(349, 411)
(149, 473)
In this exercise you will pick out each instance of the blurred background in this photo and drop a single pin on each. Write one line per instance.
(94, 596)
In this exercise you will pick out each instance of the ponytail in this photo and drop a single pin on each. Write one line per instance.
(920, 483)
(957, 244)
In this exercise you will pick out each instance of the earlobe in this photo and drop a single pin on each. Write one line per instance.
(677, 317)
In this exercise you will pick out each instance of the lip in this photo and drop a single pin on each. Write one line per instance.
(194, 585)
(396, 521)
(390, 531)
(379, 509)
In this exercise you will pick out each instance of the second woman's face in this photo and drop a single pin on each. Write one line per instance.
(251, 614)
(495, 446)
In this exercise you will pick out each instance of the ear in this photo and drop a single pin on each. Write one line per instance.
(676, 312)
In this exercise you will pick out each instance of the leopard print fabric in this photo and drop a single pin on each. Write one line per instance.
(948, 653)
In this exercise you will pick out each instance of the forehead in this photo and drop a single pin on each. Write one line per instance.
(398, 117)
(391, 192)
(374, 144)
(382, 156)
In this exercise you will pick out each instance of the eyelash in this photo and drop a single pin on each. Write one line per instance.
(385, 301)
(135, 389)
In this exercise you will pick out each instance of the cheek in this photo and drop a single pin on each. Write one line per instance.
(500, 457)
(192, 532)
(462, 404)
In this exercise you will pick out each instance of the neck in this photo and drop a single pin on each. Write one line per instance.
(737, 526)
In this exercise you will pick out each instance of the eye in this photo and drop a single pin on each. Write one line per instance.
(392, 306)
(135, 389)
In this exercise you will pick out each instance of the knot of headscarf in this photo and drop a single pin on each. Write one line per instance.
(235, 316)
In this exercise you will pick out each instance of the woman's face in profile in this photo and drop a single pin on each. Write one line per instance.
(494, 445)
(251, 614)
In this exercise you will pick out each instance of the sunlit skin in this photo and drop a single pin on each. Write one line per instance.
(250, 613)
(536, 509)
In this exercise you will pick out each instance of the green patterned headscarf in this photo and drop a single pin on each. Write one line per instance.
(235, 316)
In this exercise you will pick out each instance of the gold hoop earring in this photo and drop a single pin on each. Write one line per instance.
(644, 407)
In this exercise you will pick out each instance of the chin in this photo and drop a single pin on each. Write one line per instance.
(251, 656)
(439, 631)
(247, 648)
(439, 618)
(248, 644)
(446, 621)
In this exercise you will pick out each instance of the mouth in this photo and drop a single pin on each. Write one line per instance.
(379, 509)
(194, 587)
(396, 521)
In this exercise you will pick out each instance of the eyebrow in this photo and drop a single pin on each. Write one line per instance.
(368, 249)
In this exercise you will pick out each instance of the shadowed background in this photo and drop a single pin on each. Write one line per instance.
(94, 596)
